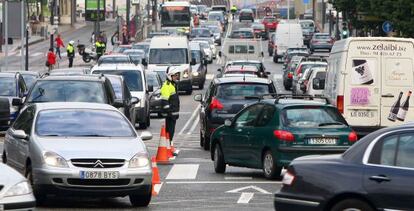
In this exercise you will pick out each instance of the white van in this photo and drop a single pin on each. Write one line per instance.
(288, 35)
(174, 52)
(370, 79)
(240, 49)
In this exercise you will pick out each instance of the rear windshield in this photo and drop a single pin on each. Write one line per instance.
(132, 78)
(114, 60)
(7, 86)
(238, 91)
(241, 49)
(67, 91)
(310, 117)
(320, 75)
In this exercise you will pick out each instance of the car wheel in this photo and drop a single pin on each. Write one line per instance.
(270, 169)
(275, 59)
(201, 139)
(143, 125)
(148, 120)
(206, 145)
(352, 204)
(40, 196)
(219, 164)
(138, 200)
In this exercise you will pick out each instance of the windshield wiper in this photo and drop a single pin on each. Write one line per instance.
(330, 123)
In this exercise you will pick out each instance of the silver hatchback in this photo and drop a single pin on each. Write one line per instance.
(80, 148)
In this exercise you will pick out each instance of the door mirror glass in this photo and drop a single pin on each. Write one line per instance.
(17, 102)
(146, 135)
(198, 97)
(118, 103)
(134, 100)
(227, 122)
(20, 134)
(150, 88)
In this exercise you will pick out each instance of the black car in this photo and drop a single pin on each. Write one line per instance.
(376, 173)
(199, 69)
(246, 14)
(155, 82)
(224, 98)
(123, 95)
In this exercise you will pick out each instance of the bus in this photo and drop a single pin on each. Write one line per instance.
(176, 17)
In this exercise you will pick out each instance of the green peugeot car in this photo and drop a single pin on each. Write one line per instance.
(269, 134)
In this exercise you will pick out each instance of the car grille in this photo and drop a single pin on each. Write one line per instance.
(98, 182)
(98, 163)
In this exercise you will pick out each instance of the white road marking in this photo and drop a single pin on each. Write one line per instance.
(157, 188)
(223, 182)
(277, 76)
(195, 113)
(245, 198)
(36, 54)
(257, 189)
(237, 178)
(209, 76)
(183, 171)
(194, 125)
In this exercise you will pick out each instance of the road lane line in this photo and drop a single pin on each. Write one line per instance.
(237, 178)
(194, 125)
(245, 198)
(223, 182)
(183, 171)
(190, 120)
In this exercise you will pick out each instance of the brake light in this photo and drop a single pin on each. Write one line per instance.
(290, 75)
(353, 136)
(340, 103)
(284, 135)
(288, 178)
(215, 104)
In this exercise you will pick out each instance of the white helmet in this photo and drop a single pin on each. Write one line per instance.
(172, 71)
(71, 42)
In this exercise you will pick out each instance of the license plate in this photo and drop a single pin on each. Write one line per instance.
(362, 114)
(99, 175)
(322, 141)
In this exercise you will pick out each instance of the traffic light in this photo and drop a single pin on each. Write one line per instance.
(345, 31)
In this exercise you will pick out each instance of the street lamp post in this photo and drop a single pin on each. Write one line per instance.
(52, 21)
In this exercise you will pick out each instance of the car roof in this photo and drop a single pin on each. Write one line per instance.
(134, 51)
(241, 68)
(118, 67)
(241, 79)
(8, 74)
(245, 61)
(23, 72)
(113, 55)
(72, 105)
(284, 103)
(72, 78)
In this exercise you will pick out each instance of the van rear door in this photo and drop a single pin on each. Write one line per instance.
(397, 81)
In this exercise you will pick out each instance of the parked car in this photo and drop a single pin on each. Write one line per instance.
(378, 176)
(224, 98)
(135, 80)
(316, 82)
(13, 88)
(246, 14)
(16, 192)
(52, 134)
(321, 41)
(269, 134)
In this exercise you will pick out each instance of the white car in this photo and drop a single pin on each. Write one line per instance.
(210, 42)
(15, 190)
(316, 82)
(207, 50)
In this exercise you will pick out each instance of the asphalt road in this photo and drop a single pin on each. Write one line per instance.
(198, 187)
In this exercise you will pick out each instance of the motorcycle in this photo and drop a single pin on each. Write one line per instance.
(87, 54)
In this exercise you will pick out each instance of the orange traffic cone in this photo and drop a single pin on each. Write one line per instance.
(155, 175)
(162, 152)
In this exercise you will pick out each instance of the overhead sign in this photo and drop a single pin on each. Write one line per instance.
(91, 10)
(387, 27)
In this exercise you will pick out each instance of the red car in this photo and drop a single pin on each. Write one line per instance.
(270, 23)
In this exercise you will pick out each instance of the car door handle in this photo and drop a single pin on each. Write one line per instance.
(380, 178)
(387, 95)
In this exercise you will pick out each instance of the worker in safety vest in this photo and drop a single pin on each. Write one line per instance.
(170, 100)
(100, 47)
(233, 10)
(70, 50)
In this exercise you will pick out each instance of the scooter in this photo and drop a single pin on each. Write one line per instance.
(87, 54)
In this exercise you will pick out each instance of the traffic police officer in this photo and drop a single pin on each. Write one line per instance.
(170, 100)
(233, 10)
(71, 52)
(100, 48)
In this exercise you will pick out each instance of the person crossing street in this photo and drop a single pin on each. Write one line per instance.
(59, 44)
(170, 100)
(71, 52)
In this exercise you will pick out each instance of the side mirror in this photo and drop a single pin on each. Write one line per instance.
(20, 134)
(227, 122)
(118, 103)
(17, 102)
(134, 100)
(219, 70)
(193, 61)
(146, 135)
(144, 62)
(219, 53)
(198, 97)
(150, 88)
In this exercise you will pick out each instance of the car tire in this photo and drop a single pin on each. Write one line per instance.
(352, 204)
(206, 145)
(201, 139)
(144, 124)
(39, 195)
(270, 169)
(219, 164)
(275, 59)
(139, 200)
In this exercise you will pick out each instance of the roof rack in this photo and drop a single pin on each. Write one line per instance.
(314, 58)
(309, 97)
(261, 97)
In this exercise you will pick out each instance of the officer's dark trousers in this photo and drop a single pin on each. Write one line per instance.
(70, 61)
(170, 126)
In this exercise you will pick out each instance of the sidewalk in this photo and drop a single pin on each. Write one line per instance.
(36, 38)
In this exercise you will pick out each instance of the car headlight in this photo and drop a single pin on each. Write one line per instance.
(139, 160)
(55, 160)
(19, 189)
(195, 73)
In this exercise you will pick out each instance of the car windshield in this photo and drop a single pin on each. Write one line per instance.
(67, 91)
(132, 78)
(196, 55)
(247, 64)
(29, 79)
(141, 47)
(311, 117)
(114, 60)
(117, 86)
(258, 26)
(8, 86)
(152, 80)
(200, 33)
(168, 56)
(82, 122)
(242, 34)
(238, 91)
